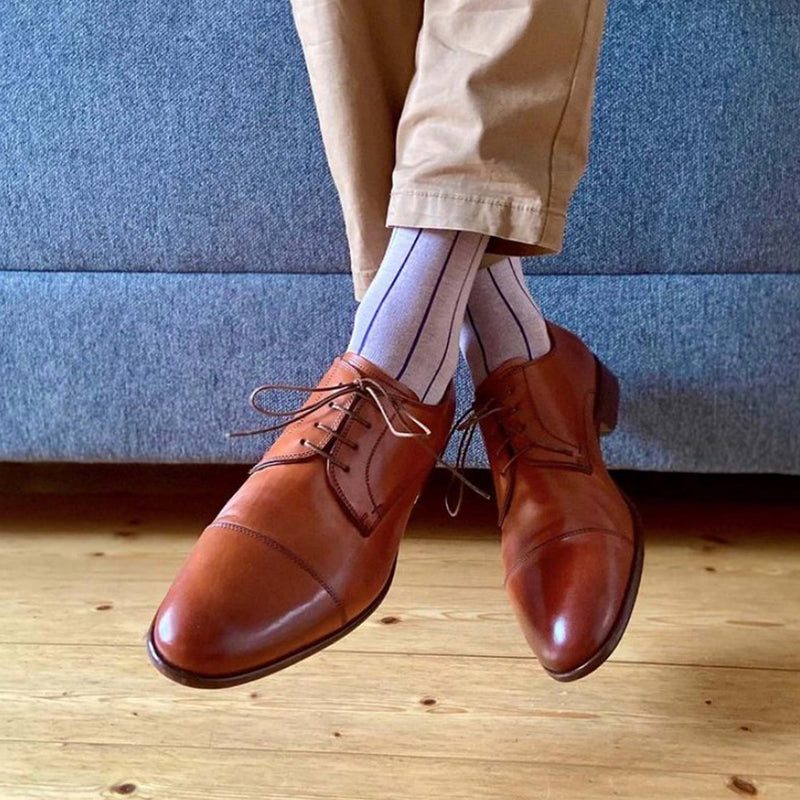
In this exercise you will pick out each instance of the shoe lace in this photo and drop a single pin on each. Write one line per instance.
(385, 400)
(470, 420)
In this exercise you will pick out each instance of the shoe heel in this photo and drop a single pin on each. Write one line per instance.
(606, 404)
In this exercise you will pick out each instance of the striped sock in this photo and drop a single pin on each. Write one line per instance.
(503, 321)
(409, 319)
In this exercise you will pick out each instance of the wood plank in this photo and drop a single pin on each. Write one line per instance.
(631, 716)
(445, 702)
(75, 772)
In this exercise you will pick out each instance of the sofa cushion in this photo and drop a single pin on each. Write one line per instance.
(156, 368)
(148, 136)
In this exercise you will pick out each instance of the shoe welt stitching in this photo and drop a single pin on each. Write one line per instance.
(270, 542)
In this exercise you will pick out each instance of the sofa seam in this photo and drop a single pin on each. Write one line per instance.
(263, 274)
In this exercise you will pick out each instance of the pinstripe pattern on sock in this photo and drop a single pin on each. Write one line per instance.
(413, 346)
(408, 320)
(511, 312)
(451, 346)
(503, 320)
(474, 333)
(358, 348)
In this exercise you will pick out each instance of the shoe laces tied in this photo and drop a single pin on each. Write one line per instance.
(385, 400)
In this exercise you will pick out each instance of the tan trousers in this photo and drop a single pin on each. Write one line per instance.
(460, 114)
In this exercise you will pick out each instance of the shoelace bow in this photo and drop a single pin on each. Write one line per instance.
(363, 387)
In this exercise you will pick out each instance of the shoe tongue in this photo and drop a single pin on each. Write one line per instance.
(369, 370)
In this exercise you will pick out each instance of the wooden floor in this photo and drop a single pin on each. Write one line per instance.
(436, 696)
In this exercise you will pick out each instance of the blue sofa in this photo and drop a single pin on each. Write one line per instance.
(170, 236)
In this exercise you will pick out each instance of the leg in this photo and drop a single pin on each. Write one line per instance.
(408, 322)
(452, 114)
(493, 139)
(503, 321)
(439, 140)
(360, 60)
(494, 133)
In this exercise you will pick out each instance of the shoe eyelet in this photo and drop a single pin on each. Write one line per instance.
(302, 442)
(346, 468)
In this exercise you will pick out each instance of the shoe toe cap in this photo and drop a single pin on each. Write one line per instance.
(569, 594)
(238, 605)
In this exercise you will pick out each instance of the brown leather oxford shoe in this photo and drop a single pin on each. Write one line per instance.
(305, 550)
(571, 540)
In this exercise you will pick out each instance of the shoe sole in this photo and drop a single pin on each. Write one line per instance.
(606, 420)
(200, 681)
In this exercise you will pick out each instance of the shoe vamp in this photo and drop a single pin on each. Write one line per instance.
(549, 502)
(295, 505)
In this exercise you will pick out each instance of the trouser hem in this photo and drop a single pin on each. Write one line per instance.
(516, 227)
